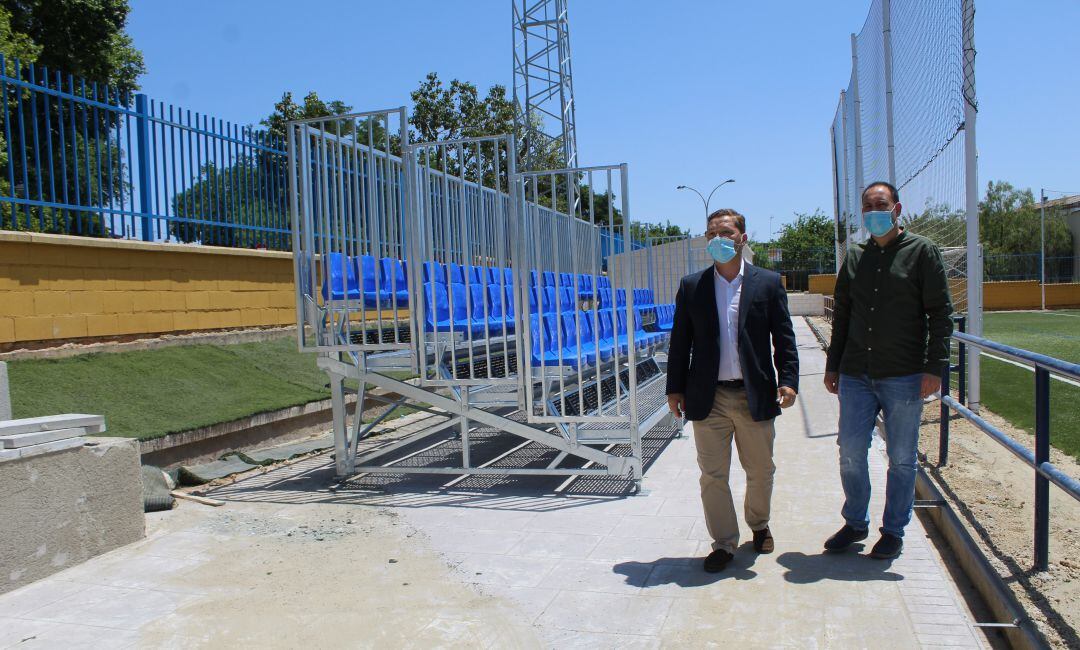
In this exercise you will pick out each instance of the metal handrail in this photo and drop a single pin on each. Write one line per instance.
(1055, 366)
(1039, 459)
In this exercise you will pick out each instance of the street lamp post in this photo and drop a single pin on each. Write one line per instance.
(704, 200)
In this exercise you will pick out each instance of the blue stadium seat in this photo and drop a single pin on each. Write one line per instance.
(439, 318)
(608, 333)
(572, 355)
(394, 280)
(602, 282)
(585, 287)
(494, 274)
(350, 280)
(340, 287)
(501, 304)
(586, 340)
(434, 272)
(566, 280)
(457, 273)
(474, 275)
(641, 339)
(548, 300)
(533, 308)
(478, 307)
(665, 317)
(566, 299)
(604, 298)
(648, 338)
(549, 278)
(511, 313)
(620, 297)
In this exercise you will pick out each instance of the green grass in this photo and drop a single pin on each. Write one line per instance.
(1009, 391)
(148, 394)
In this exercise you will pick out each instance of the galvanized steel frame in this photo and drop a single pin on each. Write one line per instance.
(333, 214)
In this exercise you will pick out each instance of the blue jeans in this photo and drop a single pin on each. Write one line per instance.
(900, 402)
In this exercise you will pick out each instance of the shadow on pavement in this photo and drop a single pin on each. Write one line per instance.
(845, 567)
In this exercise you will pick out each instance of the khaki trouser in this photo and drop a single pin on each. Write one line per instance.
(730, 417)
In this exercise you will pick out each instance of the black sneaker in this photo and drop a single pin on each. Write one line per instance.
(844, 538)
(888, 547)
(717, 560)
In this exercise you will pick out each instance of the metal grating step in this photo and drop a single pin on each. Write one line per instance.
(375, 336)
(499, 365)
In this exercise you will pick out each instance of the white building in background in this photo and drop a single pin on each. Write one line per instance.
(1069, 208)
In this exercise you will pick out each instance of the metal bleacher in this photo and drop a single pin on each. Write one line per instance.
(440, 260)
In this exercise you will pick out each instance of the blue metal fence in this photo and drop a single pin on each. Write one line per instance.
(85, 159)
(1026, 266)
(81, 158)
(1039, 458)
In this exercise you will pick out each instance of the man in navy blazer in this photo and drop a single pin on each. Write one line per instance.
(721, 376)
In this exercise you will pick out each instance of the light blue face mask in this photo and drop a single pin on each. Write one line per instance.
(721, 249)
(878, 222)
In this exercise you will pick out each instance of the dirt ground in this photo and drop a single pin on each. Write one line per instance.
(992, 492)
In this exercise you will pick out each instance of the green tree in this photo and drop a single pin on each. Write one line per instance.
(286, 110)
(226, 207)
(807, 243)
(229, 206)
(84, 38)
(939, 222)
(640, 231)
(1009, 223)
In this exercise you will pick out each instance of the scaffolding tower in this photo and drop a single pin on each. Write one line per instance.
(543, 84)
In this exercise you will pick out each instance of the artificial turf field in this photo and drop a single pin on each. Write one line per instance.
(1009, 390)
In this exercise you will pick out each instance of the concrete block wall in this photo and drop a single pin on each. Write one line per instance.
(63, 287)
(64, 507)
(997, 296)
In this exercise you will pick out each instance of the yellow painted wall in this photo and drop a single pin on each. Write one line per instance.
(63, 287)
(823, 284)
(997, 296)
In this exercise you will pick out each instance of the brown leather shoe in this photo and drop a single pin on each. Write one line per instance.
(763, 541)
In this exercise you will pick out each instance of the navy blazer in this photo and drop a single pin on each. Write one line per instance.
(694, 351)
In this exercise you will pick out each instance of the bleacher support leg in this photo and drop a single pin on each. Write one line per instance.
(343, 460)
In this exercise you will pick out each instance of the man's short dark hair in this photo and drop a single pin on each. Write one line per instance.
(893, 192)
(740, 221)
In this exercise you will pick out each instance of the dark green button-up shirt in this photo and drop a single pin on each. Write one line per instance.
(892, 310)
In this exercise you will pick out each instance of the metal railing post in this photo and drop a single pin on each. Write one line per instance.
(943, 430)
(142, 129)
(961, 363)
(1042, 455)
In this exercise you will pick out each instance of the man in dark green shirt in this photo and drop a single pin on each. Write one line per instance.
(890, 343)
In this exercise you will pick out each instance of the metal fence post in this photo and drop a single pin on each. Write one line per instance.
(1042, 455)
(857, 110)
(886, 42)
(971, 193)
(961, 364)
(943, 430)
(142, 131)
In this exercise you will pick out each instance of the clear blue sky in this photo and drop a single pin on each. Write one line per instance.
(685, 91)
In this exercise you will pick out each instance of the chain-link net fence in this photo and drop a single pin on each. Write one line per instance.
(901, 120)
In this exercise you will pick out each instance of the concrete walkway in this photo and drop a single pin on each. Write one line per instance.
(530, 565)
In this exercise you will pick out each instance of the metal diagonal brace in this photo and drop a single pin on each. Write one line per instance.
(617, 465)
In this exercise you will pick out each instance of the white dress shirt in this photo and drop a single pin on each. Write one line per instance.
(727, 309)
